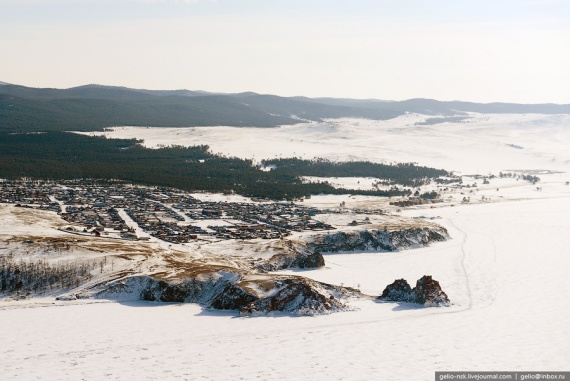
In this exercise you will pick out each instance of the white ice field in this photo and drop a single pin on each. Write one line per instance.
(505, 268)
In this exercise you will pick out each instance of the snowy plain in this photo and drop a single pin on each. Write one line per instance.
(479, 144)
(504, 269)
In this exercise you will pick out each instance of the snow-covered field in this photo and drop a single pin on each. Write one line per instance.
(480, 144)
(504, 269)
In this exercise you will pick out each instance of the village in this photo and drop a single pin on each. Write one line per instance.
(116, 209)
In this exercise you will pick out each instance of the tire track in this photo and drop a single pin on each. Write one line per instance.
(463, 266)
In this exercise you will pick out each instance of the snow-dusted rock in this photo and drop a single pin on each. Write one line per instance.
(293, 254)
(377, 240)
(249, 294)
(298, 295)
(429, 292)
(202, 288)
(398, 291)
(234, 297)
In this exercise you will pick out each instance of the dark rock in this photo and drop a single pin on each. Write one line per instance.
(297, 295)
(293, 255)
(227, 291)
(376, 240)
(203, 289)
(310, 261)
(399, 291)
(162, 291)
(436, 236)
(233, 297)
(429, 292)
(352, 241)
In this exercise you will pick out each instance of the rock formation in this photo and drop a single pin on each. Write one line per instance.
(296, 256)
(427, 292)
(398, 291)
(376, 240)
(248, 294)
(297, 295)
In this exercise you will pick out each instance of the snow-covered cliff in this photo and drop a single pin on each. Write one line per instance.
(249, 294)
(377, 240)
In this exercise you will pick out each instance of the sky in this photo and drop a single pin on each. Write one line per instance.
(481, 51)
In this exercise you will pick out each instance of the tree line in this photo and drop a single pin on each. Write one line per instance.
(39, 276)
(61, 155)
(406, 174)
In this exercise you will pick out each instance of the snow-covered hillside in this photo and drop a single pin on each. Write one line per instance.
(482, 143)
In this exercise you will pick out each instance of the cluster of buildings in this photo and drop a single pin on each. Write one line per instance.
(27, 193)
(178, 217)
(119, 209)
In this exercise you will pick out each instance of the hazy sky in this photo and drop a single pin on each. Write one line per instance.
(476, 50)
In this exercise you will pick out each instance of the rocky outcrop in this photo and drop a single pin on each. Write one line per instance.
(297, 295)
(306, 253)
(427, 292)
(244, 284)
(250, 295)
(399, 291)
(377, 240)
(202, 289)
(234, 297)
(293, 255)
(288, 261)
(309, 261)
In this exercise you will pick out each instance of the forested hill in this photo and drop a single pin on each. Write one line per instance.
(94, 107)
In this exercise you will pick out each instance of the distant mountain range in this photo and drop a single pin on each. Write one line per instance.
(93, 107)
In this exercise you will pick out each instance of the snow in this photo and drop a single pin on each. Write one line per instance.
(133, 225)
(216, 197)
(504, 270)
(361, 183)
(477, 145)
